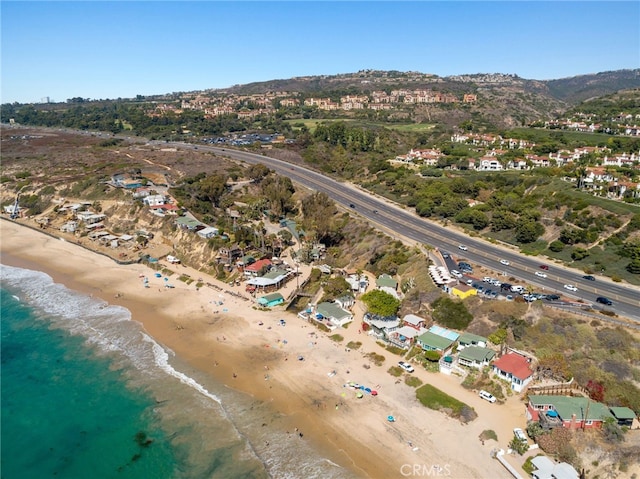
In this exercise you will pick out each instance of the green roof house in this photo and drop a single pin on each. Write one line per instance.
(433, 342)
(386, 281)
(476, 356)
(334, 313)
(270, 300)
(572, 412)
(468, 339)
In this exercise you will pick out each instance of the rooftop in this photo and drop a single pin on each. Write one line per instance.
(515, 364)
(435, 341)
(567, 406)
(477, 354)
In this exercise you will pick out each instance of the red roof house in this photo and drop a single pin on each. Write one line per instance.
(254, 268)
(514, 368)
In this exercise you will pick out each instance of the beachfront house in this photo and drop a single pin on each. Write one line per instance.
(333, 313)
(571, 412)
(476, 357)
(415, 322)
(434, 342)
(548, 469)
(514, 368)
(381, 326)
(270, 300)
(257, 267)
(405, 336)
(468, 339)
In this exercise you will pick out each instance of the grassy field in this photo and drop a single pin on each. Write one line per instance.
(434, 398)
(311, 124)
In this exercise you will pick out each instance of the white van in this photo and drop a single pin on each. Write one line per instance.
(516, 288)
(485, 395)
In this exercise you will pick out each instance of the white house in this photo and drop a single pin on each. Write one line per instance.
(154, 200)
(208, 232)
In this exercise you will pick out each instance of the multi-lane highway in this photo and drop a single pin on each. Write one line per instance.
(395, 220)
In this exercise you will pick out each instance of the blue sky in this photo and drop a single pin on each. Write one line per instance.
(121, 49)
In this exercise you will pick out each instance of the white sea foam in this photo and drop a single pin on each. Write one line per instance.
(107, 326)
(162, 360)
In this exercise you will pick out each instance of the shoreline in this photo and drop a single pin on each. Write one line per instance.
(261, 361)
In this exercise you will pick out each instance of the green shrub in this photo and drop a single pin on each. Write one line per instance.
(337, 338)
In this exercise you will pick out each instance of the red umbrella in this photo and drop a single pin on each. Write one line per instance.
(374, 393)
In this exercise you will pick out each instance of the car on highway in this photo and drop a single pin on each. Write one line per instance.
(351, 205)
(604, 300)
(589, 277)
(487, 396)
(504, 262)
(570, 287)
(375, 212)
(406, 366)
(544, 267)
(541, 274)
(552, 297)
(462, 247)
(519, 433)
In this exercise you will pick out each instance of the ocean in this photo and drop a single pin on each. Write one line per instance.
(86, 392)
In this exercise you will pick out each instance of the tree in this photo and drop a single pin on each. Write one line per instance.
(453, 314)
(380, 303)
(498, 337)
(519, 445)
(528, 231)
(634, 266)
(211, 188)
(534, 430)
(556, 246)
(257, 172)
(579, 253)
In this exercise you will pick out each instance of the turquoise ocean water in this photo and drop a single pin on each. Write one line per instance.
(85, 392)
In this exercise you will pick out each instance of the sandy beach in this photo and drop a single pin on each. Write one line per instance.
(229, 339)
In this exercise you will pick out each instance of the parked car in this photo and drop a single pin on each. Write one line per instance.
(541, 274)
(544, 267)
(456, 273)
(504, 262)
(463, 247)
(589, 277)
(506, 286)
(570, 287)
(519, 433)
(406, 366)
(604, 300)
(486, 279)
(487, 396)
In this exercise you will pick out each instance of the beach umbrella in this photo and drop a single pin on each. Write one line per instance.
(374, 393)
(166, 279)
(367, 390)
(359, 395)
(391, 419)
